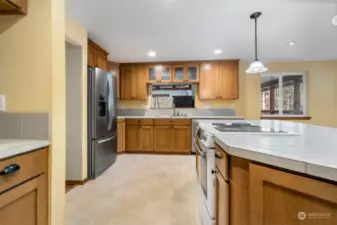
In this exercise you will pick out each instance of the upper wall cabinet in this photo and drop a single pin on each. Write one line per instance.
(159, 74)
(97, 56)
(133, 82)
(186, 73)
(8, 7)
(219, 80)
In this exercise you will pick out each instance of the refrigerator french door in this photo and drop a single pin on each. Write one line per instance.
(102, 121)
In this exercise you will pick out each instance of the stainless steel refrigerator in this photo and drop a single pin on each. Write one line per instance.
(102, 121)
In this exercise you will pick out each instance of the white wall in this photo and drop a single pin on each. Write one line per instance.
(73, 112)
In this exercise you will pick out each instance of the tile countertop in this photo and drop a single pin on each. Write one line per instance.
(182, 117)
(13, 147)
(313, 151)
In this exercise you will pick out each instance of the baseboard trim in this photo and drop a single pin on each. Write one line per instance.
(158, 153)
(76, 182)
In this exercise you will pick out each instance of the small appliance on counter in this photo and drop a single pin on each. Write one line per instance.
(102, 121)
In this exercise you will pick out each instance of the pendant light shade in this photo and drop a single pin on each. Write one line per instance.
(256, 66)
(334, 20)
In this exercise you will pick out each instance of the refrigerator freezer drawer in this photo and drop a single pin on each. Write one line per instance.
(103, 154)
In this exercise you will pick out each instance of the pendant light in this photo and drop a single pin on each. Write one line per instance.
(256, 66)
(334, 20)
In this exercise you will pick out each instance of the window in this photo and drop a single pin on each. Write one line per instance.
(166, 96)
(285, 99)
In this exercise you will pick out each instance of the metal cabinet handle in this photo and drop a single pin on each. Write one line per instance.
(218, 155)
(12, 168)
(213, 171)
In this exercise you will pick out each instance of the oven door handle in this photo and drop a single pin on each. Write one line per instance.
(198, 149)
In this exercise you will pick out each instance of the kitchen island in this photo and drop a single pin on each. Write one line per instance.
(278, 178)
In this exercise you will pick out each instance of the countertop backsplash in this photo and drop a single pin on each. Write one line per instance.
(24, 126)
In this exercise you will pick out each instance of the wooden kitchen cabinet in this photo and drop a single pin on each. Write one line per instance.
(133, 82)
(162, 138)
(146, 138)
(228, 80)
(159, 74)
(219, 80)
(278, 198)
(8, 7)
(172, 135)
(139, 138)
(209, 81)
(97, 56)
(181, 139)
(24, 193)
(222, 200)
(186, 73)
(121, 135)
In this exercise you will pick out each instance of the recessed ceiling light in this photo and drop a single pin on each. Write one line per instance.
(152, 53)
(291, 43)
(217, 51)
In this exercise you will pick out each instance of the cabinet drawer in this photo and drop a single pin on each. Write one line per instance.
(136, 122)
(221, 161)
(173, 122)
(31, 165)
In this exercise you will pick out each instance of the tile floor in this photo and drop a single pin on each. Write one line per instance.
(138, 190)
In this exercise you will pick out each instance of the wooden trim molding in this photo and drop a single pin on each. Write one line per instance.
(285, 117)
(76, 182)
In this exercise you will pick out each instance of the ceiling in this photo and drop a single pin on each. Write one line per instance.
(193, 29)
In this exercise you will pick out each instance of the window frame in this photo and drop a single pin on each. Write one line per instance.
(280, 100)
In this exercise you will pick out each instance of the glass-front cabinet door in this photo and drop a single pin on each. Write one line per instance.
(192, 73)
(179, 73)
(164, 74)
(152, 74)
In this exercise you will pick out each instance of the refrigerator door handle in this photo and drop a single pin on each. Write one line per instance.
(107, 139)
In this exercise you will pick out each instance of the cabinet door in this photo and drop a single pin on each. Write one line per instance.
(138, 83)
(146, 138)
(13, 6)
(121, 136)
(101, 60)
(181, 139)
(229, 80)
(163, 139)
(179, 74)
(164, 74)
(278, 198)
(125, 80)
(192, 72)
(91, 55)
(209, 82)
(222, 200)
(152, 75)
(26, 204)
(132, 138)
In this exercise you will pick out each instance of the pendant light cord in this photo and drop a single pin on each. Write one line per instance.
(256, 39)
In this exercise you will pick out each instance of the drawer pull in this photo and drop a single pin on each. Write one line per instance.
(218, 155)
(12, 168)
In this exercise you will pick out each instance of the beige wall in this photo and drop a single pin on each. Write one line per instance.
(32, 76)
(73, 112)
(77, 35)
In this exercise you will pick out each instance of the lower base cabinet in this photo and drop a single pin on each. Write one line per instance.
(139, 138)
(26, 204)
(222, 203)
(278, 197)
(181, 139)
(121, 136)
(162, 138)
(24, 193)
